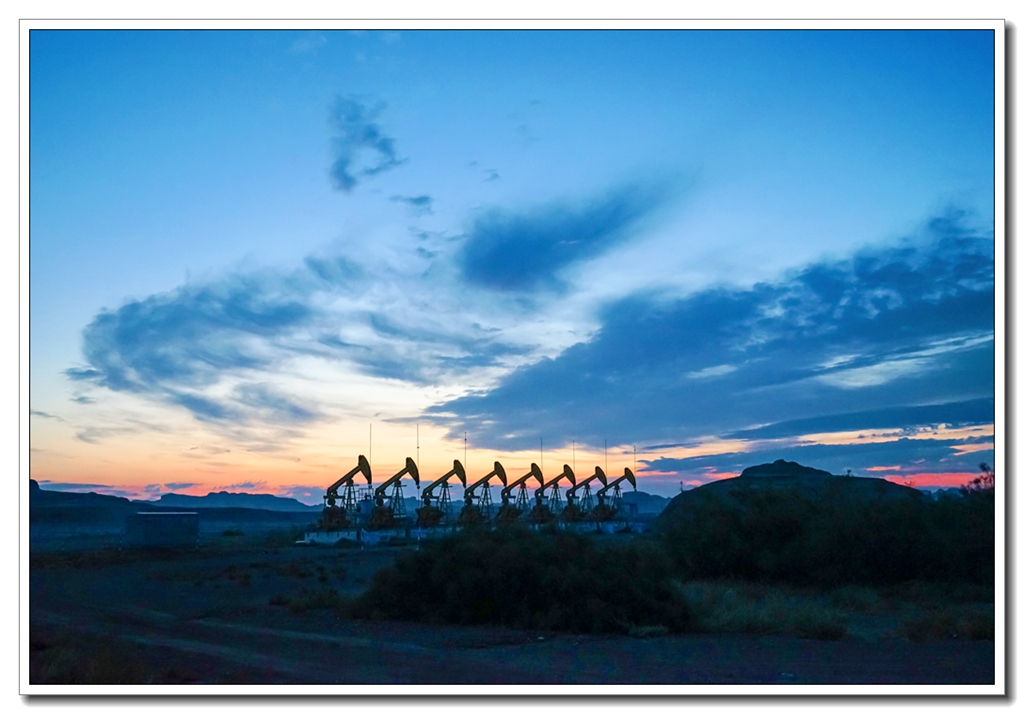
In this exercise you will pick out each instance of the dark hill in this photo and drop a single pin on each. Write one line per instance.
(645, 502)
(782, 468)
(44, 498)
(785, 477)
(224, 499)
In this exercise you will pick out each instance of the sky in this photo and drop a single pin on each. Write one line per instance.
(682, 252)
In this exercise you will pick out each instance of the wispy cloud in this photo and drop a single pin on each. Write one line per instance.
(418, 205)
(916, 456)
(309, 495)
(245, 486)
(360, 147)
(100, 488)
(220, 349)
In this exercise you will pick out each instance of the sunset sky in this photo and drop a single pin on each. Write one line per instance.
(721, 248)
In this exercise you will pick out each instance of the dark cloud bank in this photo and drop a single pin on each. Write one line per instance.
(524, 251)
(895, 337)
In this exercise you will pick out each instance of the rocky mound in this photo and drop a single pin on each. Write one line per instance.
(787, 477)
(783, 468)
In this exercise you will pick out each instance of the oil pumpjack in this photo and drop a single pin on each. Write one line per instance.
(508, 512)
(340, 517)
(546, 512)
(604, 511)
(389, 509)
(574, 511)
(430, 515)
(472, 512)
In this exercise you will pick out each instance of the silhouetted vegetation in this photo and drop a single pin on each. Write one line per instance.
(985, 483)
(517, 578)
(832, 539)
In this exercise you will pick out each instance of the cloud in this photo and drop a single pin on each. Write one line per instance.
(726, 360)
(246, 486)
(96, 434)
(419, 205)
(309, 495)
(274, 406)
(220, 349)
(83, 400)
(969, 412)
(100, 488)
(524, 251)
(914, 456)
(188, 337)
(44, 415)
(359, 146)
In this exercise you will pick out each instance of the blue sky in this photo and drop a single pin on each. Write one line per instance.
(722, 247)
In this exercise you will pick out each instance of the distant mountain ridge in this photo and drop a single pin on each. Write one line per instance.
(226, 499)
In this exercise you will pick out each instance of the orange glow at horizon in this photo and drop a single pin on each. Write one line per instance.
(943, 480)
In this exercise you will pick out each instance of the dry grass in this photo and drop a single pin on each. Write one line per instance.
(759, 609)
(919, 613)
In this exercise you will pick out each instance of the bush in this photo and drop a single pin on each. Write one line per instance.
(516, 578)
(830, 539)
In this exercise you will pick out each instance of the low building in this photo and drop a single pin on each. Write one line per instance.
(162, 529)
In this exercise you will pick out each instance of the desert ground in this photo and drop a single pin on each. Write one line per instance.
(258, 608)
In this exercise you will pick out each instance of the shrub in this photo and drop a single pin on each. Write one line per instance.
(830, 539)
(516, 578)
